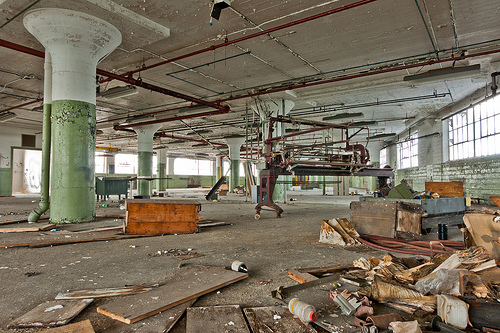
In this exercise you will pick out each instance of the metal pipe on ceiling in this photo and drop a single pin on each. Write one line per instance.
(38, 100)
(130, 80)
(257, 34)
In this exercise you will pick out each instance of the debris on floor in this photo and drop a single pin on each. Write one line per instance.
(338, 232)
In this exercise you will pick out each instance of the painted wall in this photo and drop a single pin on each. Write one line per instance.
(11, 137)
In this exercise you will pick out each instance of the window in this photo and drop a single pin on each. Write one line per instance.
(475, 132)
(126, 164)
(408, 152)
(192, 167)
(383, 157)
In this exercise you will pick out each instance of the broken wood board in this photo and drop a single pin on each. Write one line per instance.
(321, 270)
(496, 200)
(72, 241)
(275, 319)
(118, 228)
(51, 314)
(188, 284)
(106, 292)
(212, 224)
(154, 217)
(80, 327)
(162, 322)
(446, 189)
(485, 232)
(28, 229)
(21, 221)
(227, 318)
(300, 277)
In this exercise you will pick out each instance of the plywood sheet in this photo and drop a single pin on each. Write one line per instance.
(80, 327)
(275, 319)
(409, 218)
(162, 322)
(228, 319)
(186, 285)
(374, 218)
(51, 314)
(27, 229)
(446, 189)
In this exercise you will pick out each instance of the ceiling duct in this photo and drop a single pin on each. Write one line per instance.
(119, 92)
(345, 115)
(6, 116)
(444, 74)
(381, 136)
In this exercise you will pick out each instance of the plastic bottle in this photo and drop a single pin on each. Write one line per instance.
(303, 310)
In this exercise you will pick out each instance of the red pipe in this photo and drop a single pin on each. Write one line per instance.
(344, 78)
(21, 105)
(158, 121)
(163, 135)
(283, 26)
(129, 80)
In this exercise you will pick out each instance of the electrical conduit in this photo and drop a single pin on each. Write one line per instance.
(43, 206)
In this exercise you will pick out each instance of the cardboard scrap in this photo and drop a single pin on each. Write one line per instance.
(485, 231)
(338, 232)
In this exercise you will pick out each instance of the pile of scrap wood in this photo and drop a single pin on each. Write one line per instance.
(338, 232)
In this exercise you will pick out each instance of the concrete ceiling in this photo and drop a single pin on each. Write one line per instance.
(353, 60)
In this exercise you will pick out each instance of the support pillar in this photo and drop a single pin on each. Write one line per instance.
(76, 43)
(234, 155)
(145, 157)
(110, 164)
(162, 170)
(218, 167)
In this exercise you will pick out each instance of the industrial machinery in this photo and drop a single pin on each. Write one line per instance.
(340, 159)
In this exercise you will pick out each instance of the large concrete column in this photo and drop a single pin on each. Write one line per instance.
(145, 156)
(162, 169)
(76, 43)
(234, 155)
(110, 163)
(374, 148)
(218, 166)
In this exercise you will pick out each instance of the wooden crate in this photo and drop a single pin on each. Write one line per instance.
(155, 217)
(387, 218)
(446, 189)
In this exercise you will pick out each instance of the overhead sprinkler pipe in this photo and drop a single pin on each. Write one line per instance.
(76, 43)
(257, 34)
(38, 100)
(43, 206)
(128, 80)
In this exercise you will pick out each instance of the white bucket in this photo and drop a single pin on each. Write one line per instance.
(453, 311)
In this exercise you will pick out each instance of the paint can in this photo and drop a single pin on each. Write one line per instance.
(239, 266)
(442, 231)
(304, 311)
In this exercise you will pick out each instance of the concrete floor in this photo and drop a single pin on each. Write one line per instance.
(268, 246)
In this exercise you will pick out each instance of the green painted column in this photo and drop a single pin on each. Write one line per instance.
(73, 145)
(5, 182)
(76, 43)
(234, 144)
(162, 169)
(145, 157)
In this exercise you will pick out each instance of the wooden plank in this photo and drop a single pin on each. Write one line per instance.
(227, 318)
(80, 327)
(72, 241)
(106, 292)
(325, 269)
(275, 319)
(162, 322)
(160, 228)
(28, 229)
(374, 218)
(189, 284)
(51, 314)
(301, 277)
(21, 221)
(496, 200)
(446, 189)
(162, 210)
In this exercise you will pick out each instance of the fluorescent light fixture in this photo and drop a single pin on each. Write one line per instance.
(444, 74)
(200, 145)
(363, 123)
(6, 116)
(381, 136)
(345, 115)
(218, 6)
(292, 130)
(38, 108)
(291, 93)
(203, 131)
(177, 141)
(119, 92)
(140, 119)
